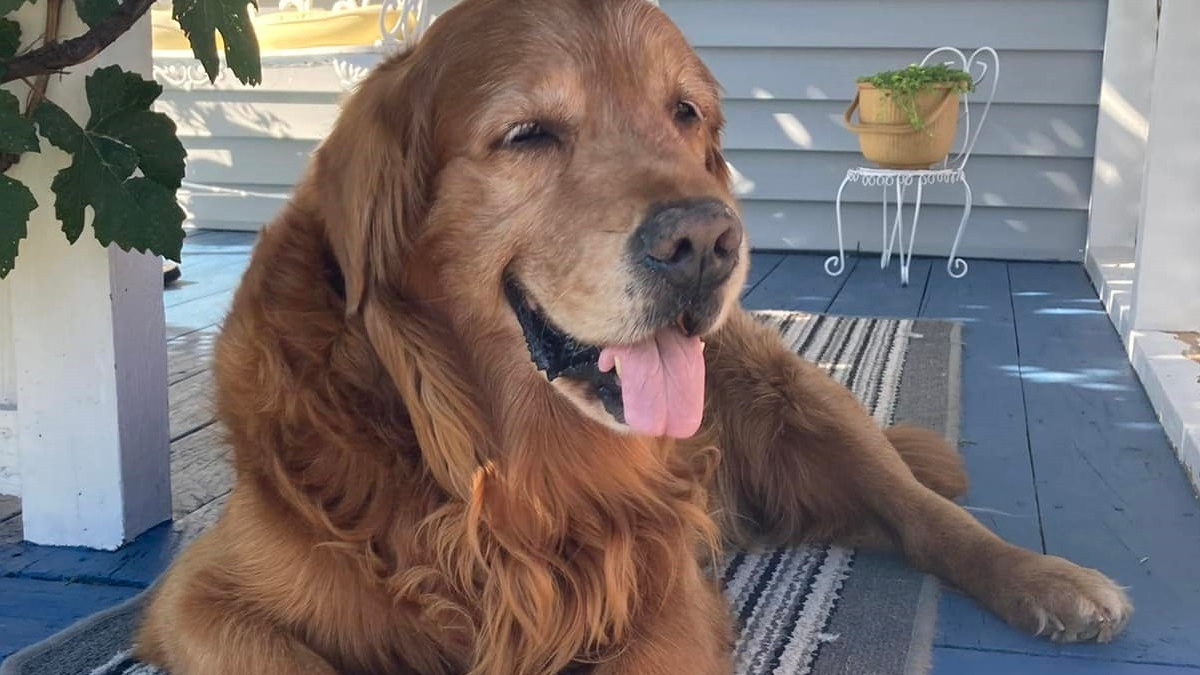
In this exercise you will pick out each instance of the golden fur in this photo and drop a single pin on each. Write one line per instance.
(412, 496)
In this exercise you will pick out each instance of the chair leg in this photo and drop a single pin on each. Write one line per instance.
(897, 233)
(836, 264)
(886, 255)
(957, 267)
(906, 256)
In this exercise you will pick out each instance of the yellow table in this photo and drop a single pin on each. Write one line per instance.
(290, 30)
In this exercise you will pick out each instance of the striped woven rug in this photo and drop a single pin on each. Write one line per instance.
(800, 610)
(783, 599)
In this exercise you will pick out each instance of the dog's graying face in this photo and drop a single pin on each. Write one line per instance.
(580, 185)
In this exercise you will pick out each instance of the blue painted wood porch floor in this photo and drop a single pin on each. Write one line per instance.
(1063, 449)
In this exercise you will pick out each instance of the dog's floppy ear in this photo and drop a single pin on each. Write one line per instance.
(371, 181)
(371, 176)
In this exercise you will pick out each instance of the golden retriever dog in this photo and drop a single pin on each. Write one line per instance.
(495, 405)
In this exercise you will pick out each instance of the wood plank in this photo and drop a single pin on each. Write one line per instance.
(816, 73)
(32, 610)
(10, 533)
(871, 291)
(201, 469)
(1112, 494)
(994, 442)
(201, 240)
(10, 519)
(10, 507)
(191, 404)
(193, 315)
(761, 265)
(190, 353)
(992, 232)
(209, 275)
(948, 661)
(136, 565)
(799, 282)
(992, 434)
(144, 561)
(194, 524)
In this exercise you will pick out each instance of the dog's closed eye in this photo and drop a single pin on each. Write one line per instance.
(528, 135)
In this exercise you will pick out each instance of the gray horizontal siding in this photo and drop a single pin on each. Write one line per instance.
(1006, 24)
(1011, 129)
(787, 68)
(1027, 76)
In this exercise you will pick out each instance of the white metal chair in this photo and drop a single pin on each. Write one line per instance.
(951, 171)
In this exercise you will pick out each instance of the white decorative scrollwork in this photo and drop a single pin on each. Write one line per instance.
(897, 181)
(184, 76)
(400, 35)
(882, 177)
(349, 74)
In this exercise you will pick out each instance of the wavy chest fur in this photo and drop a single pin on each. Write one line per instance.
(524, 528)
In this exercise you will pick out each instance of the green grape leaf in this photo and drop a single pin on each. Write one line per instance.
(121, 137)
(16, 203)
(10, 37)
(17, 134)
(201, 20)
(94, 11)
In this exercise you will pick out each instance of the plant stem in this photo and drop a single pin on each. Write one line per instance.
(37, 93)
(37, 90)
(53, 57)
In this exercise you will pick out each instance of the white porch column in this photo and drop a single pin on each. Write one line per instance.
(90, 353)
(1166, 288)
(1123, 125)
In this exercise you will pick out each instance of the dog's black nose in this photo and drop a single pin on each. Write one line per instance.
(692, 243)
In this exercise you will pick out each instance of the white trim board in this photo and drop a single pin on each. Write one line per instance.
(1171, 381)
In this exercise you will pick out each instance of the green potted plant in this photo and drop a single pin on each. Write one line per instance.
(908, 117)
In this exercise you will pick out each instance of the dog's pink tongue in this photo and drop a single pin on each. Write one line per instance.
(662, 383)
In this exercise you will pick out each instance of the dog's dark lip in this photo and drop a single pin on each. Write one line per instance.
(558, 354)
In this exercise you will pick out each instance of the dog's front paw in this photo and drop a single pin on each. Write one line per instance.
(1049, 596)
